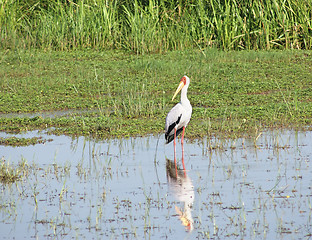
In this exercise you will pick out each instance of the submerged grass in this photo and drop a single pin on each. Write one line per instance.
(10, 173)
(126, 95)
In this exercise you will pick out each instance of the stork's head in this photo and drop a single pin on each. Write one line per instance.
(184, 82)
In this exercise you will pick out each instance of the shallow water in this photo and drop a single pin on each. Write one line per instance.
(48, 114)
(131, 188)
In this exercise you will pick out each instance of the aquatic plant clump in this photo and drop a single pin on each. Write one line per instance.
(15, 141)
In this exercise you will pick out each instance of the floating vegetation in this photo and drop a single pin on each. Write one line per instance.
(18, 142)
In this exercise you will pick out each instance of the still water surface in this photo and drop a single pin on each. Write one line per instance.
(133, 188)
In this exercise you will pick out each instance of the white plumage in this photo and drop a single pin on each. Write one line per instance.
(180, 115)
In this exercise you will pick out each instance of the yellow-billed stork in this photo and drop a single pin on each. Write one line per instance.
(180, 115)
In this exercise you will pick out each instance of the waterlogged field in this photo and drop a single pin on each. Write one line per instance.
(132, 189)
(239, 178)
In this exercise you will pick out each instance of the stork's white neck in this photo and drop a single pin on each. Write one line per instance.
(184, 99)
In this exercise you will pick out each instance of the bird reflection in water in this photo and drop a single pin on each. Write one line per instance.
(182, 188)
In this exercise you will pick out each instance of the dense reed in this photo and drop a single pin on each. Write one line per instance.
(156, 25)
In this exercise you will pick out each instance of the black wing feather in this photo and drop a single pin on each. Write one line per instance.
(168, 137)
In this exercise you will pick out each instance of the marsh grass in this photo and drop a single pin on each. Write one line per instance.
(156, 25)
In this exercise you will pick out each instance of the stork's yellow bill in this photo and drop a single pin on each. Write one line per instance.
(181, 85)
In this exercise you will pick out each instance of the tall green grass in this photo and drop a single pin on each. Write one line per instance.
(156, 25)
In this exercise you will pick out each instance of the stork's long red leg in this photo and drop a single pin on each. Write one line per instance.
(174, 137)
(175, 162)
(182, 135)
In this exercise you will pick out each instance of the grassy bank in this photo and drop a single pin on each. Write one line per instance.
(155, 26)
(232, 93)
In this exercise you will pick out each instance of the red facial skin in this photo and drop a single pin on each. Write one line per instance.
(183, 79)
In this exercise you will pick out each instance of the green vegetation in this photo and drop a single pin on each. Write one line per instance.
(14, 141)
(155, 26)
(120, 95)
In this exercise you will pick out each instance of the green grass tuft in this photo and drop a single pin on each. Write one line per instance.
(10, 173)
